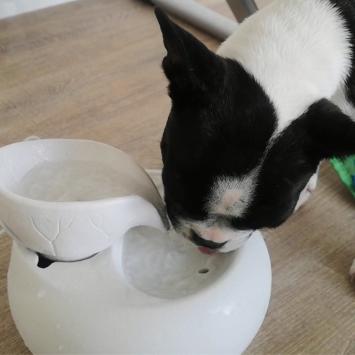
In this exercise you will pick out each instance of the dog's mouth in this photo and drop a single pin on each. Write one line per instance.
(207, 251)
(205, 246)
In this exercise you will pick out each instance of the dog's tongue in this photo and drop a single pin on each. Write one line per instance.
(206, 250)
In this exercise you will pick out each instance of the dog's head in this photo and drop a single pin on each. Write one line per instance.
(226, 172)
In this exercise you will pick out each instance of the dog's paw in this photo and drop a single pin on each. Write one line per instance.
(307, 191)
(304, 197)
(352, 273)
(312, 183)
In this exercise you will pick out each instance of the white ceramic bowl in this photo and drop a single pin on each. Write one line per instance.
(92, 306)
(69, 199)
(139, 292)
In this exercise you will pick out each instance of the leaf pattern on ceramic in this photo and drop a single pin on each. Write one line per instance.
(50, 229)
(46, 227)
(97, 221)
(47, 241)
(64, 224)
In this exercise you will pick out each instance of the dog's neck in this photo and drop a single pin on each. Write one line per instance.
(295, 68)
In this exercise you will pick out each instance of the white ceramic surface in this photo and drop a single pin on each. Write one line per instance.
(145, 291)
(91, 306)
(36, 210)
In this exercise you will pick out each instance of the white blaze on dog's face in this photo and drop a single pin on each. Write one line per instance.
(228, 238)
(229, 167)
(230, 197)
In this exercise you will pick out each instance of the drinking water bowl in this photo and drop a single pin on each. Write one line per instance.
(117, 281)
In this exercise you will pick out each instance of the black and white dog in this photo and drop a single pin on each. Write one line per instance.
(249, 125)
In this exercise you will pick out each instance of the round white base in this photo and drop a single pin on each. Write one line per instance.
(90, 307)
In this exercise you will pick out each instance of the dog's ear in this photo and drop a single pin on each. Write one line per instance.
(322, 132)
(189, 64)
(331, 133)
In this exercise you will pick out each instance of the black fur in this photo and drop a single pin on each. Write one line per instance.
(216, 130)
(205, 243)
(320, 133)
(221, 123)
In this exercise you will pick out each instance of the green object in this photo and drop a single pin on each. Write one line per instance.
(345, 168)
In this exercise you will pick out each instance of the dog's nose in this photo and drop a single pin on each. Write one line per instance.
(201, 242)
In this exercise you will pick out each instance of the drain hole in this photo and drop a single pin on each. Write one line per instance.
(44, 262)
(204, 271)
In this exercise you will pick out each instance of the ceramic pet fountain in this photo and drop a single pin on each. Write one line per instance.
(93, 269)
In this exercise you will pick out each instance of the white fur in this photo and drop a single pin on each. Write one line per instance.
(219, 234)
(236, 241)
(210, 230)
(229, 196)
(342, 102)
(307, 191)
(232, 196)
(298, 50)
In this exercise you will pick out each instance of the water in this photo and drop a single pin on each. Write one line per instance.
(160, 264)
(166, 265)
(74, 181)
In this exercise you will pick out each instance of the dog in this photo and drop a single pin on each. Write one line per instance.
(250, 124)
